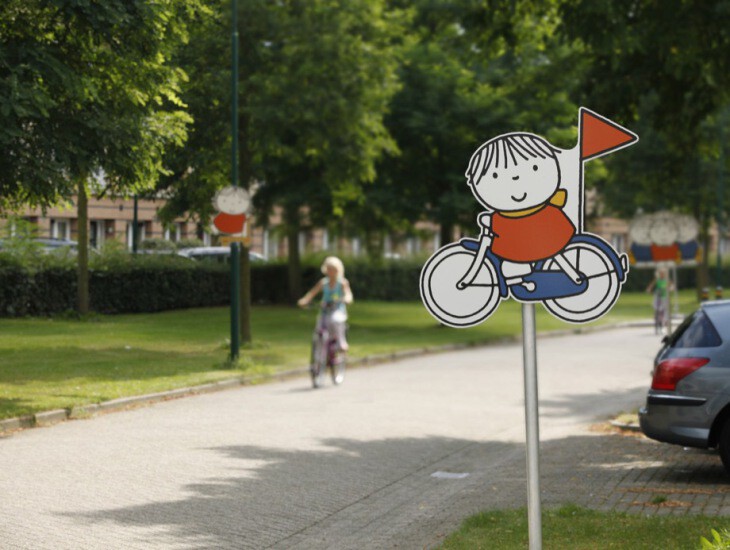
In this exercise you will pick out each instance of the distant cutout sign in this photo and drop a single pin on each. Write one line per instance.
(664, 238)
(532, 246)
(232, 203)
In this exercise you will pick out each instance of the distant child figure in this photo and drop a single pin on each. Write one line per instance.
(660, 287)
(336, 294)
(517, 177)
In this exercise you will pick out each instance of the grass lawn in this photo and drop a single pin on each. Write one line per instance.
(58, 363)
(577, 528)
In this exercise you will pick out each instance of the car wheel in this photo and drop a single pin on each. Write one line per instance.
(724, 445)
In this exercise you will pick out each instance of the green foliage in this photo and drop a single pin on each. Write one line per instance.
(157, 244)
(471, 72)
(87, 88)
(640, 54)
(578, 528)
(188, 243)
(720, 540)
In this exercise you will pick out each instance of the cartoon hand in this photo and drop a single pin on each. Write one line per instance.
(485, 220)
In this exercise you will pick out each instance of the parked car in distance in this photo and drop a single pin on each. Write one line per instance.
(689, 400)
(215, 254)
(50, 244)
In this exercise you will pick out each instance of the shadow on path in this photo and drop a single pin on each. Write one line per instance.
(347, 493)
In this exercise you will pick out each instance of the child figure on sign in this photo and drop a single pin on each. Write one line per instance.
(517, 178)
(231, 203)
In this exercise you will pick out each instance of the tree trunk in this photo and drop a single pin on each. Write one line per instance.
(703, 268)
(375, 245)
(82, 286)
(295, 261)
(446, 233)
(245, 302)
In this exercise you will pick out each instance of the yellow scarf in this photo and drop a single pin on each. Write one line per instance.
(558, 199)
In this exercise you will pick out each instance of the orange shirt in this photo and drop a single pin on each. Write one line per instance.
(533, 237)
(229, 223)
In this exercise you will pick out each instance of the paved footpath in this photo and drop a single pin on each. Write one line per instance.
(379, 462)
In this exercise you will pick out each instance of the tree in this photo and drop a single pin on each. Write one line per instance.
(473, 71)
(315, 80)
(86, 96)
(664, 68)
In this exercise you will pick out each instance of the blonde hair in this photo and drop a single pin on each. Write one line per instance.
(335, 262)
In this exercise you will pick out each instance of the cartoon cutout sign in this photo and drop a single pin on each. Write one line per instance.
(664, 237)
(532, 245)
(232, 204)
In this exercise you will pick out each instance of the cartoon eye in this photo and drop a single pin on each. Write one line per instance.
(534, 167)
(495, 175)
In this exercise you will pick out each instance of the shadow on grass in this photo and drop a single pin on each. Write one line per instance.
(9, 407)
(354, 494)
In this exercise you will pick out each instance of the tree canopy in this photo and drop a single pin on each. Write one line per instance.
(86, 89)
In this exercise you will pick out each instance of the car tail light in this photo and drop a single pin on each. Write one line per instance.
(669, 372)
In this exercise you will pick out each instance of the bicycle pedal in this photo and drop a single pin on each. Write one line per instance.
(529, 286)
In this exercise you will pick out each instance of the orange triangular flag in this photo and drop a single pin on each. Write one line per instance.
(600, 136)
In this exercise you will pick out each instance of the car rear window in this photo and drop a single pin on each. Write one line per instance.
(696, 331)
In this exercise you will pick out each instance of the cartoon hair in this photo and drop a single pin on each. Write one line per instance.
(505, 149)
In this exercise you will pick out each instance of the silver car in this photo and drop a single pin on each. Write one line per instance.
(689, 400)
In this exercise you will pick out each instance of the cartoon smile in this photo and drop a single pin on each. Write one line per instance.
(523, 197)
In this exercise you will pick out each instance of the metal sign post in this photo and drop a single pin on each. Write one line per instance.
(531, 247)
(532, 426)
(235, 261)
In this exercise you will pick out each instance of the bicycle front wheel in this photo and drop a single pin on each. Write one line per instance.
(453, 306)
(603, 284)
(337, 368)
(318, 360)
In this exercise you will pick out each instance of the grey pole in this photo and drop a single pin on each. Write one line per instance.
(235, 249)
(532, 426)
(135, 226)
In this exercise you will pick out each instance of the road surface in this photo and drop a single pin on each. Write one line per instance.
(394, 458)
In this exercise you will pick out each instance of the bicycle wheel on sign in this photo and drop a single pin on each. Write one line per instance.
(449, 304)
(603, 288)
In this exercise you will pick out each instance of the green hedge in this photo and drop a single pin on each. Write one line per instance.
(149, 284)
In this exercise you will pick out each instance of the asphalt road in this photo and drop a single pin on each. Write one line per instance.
(284, 466)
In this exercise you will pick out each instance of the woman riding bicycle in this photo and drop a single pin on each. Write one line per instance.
(336, 293)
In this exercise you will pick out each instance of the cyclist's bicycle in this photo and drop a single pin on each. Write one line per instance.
(661, 312)
(326, 353)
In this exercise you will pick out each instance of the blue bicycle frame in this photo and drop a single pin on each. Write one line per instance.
(551, 284)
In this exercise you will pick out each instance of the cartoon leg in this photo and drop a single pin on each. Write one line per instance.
(566, 266)
(514, 272)
(451, 301)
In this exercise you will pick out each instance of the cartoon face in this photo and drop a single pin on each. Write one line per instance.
(526, 184)
(688, 229)
(663, 231)
(639, 230)
(231, 200)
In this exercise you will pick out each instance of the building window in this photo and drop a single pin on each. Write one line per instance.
(173, 232)
(618, 241)
(96, 233)
(60, 229)
(356, 246)
(141, 233)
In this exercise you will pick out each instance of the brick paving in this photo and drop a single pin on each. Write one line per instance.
(282, 466)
